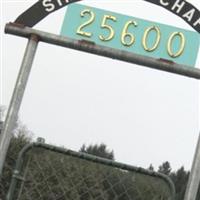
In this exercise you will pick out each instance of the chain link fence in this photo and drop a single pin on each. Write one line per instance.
(17, 143)
(4, 181)
(46, 172)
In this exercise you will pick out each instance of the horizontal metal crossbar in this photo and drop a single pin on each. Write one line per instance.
(90, 47)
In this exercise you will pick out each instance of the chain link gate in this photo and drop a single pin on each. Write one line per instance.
(5, 180)
(46, 172)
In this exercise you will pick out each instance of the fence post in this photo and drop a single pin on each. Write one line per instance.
(194, 179)
(16, 99)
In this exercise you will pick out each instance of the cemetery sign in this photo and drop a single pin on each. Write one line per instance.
(42, 8)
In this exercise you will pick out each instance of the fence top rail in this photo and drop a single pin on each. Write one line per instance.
(91, 158)
(91, 47)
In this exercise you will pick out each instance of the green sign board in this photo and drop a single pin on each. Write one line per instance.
(131, 34)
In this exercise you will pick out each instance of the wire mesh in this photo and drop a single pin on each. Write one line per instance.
(3, 188)
(5, 179)
(49, 175)
(17, 143)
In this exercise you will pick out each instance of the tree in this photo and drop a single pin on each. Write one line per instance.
(21, 136)
(151, 168)
(165, 168)
(98, 150)
(180, 179)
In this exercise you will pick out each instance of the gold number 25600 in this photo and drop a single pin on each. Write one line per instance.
(127, 38)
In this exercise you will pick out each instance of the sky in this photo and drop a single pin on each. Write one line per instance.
(73, 98)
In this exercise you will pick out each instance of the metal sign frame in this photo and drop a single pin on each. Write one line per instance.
(34, 36)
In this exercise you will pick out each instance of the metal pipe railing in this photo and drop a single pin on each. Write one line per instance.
(93, 48)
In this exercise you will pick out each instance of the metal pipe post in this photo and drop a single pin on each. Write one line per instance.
(194, 179)
(16, 99)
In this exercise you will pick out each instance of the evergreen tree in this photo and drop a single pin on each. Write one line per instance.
(21, 137)
(180, 179)
(165, 168)
(98, 150)
(151, 168)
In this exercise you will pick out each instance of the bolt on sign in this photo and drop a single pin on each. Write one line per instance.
(131, 34)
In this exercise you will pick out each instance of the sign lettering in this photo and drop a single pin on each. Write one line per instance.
(42, 8)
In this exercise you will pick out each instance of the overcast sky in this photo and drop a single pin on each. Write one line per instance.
(144, 115)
